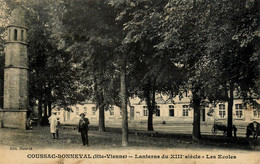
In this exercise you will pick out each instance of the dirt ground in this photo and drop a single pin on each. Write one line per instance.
(40, 138)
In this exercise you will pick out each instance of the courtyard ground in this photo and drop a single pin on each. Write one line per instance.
(39, 139)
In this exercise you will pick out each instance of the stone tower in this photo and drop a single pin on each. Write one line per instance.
(16, 73)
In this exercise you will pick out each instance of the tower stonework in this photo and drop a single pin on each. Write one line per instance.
(16, 101)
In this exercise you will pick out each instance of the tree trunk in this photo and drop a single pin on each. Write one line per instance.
(124, 104)
(99, 98)
(101, 123)
(230, 110)
(45, 110)
(49, 108)
(150, 109)
(196, 136)
(39, 112)
(150, 120)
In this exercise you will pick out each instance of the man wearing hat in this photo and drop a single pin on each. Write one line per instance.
(253, 129)
(53, 125)
(83, 128)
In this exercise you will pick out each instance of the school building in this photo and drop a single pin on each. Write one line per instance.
(168, 110)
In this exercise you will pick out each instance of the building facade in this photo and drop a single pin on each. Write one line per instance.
(167, 111)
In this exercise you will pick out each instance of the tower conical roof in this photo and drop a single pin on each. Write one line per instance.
(18, 17)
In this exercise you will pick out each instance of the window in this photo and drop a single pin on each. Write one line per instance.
(15, 34)
(256, 111)
(132, 112)
(185, 110)
(22, 33)
(157, 111)
(239, 110)
(222, 110)
(132, 108)
(85, 110)
(171, 110)
(93, 110)
(145, 110)
(58, 113)
(77, 110)
(186, 93)
(112, 111)
(68, 115)
(9, 36)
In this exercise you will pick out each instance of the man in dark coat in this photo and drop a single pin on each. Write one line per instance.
(253, 129)
(83, 128)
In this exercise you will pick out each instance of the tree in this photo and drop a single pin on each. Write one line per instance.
(232, 47)
(91, 43)
(149, 70)
(95, 40)
(184, 36)
(214, 41)
(47, 64)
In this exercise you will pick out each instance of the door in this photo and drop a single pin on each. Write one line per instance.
(132, 112)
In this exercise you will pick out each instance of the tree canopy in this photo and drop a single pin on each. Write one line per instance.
(109, 50)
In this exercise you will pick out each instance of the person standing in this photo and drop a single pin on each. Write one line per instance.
(53, 125)
(83, 128)
(29, 121)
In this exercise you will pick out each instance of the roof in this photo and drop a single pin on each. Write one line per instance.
(18, 17)
(160, 100)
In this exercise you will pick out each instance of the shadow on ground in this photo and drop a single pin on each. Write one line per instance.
(40, 138)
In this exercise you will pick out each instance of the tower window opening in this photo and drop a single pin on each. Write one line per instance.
(22, 33)
(9, 36)
(15, 34)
